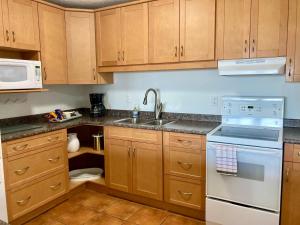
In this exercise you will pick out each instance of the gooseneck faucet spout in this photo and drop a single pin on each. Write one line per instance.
(158, 104)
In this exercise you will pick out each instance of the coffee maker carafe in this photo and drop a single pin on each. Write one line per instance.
(97, 107)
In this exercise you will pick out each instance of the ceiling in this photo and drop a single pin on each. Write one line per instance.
(87, 4)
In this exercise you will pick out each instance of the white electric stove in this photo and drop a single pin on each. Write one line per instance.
(3, 206)
(253, 126)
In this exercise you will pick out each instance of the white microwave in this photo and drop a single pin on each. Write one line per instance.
(20, 74)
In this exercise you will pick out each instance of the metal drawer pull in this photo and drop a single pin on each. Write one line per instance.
(56, 187)
(24, 202)
(299, 154)
(53, 139)
(129, 149)
(185, 195)
(14, 36)
(133, 152)
(7, 35)
(54, 160)
(22, 171)
(287, 175)
(185, 166)
(20, 147)
(185, 142)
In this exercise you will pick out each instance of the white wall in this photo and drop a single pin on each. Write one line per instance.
(59, 96)
(196, 91)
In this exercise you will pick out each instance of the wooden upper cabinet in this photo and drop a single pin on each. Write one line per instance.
(164, 31)
(147, 170)
(269, 28)
(118, 164)
(134, 28)
(53, 44)
(108, 30)
(293, 46)
(197, 30)
(4, 26)
(81, 49)
(233, 29)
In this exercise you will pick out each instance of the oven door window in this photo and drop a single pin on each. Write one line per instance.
(13, 74)
(257, 183)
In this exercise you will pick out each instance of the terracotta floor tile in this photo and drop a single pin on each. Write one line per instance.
(148, 216)
(104, 219)
(123, 209)
(181, 220)
(44, 219)
(72, 214)
(94, 200)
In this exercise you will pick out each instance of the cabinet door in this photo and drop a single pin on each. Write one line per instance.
(293, 46)
(53, 44)
(197, 30)
(108, 37)
(134, 21)
(147, 170)
(233, 29)
(118, 164)
(269, 28)
(164, 31)
(4, 24)
(23, 23)
(80, 27)
(290, 196)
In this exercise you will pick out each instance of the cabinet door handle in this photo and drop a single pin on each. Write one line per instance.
(14, 36)
(133, 152)
(54, 160)
(20, 147)
(7, 35)
(119, 58)
(24, 201)
(287, 175)
(22, 171)
(51, 139)
(94, 73)
(185, 166)
(123, 56)
(45, 72)
(129, 150)
(185, 195)
(56, 187)
(176, 51)
(182, 51)
(253, 46)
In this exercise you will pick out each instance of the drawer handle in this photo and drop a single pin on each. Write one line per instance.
(185, 166)
(55, 160)
(22, 171)
(20, 147)
(24, 202)
(185, 195)
(50, 139)
(56, 187)
(184, 142)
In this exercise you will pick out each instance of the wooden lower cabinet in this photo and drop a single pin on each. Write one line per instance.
(134, 166)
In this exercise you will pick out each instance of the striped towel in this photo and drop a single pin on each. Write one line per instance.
(226, 159)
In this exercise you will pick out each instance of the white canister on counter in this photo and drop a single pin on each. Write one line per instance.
(73, 142)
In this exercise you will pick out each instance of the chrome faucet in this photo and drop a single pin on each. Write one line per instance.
(158, 104)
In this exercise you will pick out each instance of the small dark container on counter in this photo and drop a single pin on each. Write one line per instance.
(97, 106)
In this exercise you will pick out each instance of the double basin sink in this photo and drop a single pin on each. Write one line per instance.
(143, 122)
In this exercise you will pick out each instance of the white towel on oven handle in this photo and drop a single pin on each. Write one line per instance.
(226, 159)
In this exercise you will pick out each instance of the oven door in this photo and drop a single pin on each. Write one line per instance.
(257, 183)
(19, 75)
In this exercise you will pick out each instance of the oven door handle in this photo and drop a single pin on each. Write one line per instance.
(251, 150)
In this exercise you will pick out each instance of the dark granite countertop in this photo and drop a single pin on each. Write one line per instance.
(291, 135)
(182, 126)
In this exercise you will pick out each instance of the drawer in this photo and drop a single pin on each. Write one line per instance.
(180, 162)
(180, 140)
(34, 165)
(185, 192)
(34, 142)
(131, 134)
(32, 196)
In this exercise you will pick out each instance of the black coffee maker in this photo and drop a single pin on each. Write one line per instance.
(97, 107)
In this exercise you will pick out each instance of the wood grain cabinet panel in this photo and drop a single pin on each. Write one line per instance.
(164, 31)
(134, 28)
(147, 170)
(197, 30)
(269, 28)
(108, 30)
(293, 45)
(53, 44)
(23, 24)
(81, 47)
(233, 29)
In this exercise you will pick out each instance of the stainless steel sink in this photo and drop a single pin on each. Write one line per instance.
(130, 121)
(158, 122)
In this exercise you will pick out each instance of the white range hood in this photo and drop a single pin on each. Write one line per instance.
(261, 66)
